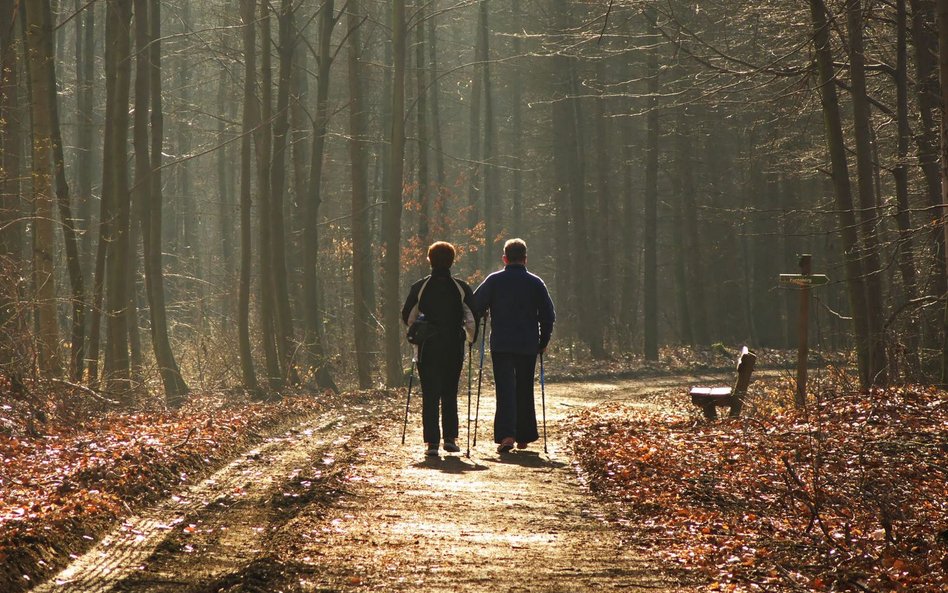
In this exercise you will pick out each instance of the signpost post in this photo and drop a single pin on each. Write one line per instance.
(804, 280)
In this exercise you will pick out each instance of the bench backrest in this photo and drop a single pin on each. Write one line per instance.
(745, 366)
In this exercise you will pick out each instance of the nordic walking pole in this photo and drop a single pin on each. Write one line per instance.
(543, 398)
(411, 377)
(470, 375)
(480, 374)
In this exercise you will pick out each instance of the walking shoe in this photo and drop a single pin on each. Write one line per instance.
(431, 450)
(522, 445)
(451, 447)
(505, 445)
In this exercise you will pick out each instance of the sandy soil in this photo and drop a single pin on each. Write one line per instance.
(340, 505)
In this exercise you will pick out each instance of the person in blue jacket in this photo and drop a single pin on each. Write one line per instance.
(521, 318)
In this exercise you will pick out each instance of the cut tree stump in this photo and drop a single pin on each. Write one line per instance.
(710, 398)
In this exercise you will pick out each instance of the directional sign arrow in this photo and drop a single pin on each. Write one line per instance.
(804, 280)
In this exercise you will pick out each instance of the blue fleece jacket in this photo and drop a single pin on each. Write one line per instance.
(521, 311)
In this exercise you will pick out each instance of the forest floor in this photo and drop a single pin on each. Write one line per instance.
(331, 501)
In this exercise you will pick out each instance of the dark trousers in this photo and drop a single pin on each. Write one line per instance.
(439, 367)
(513, 379)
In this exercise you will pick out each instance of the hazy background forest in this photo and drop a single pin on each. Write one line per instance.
(238, 192)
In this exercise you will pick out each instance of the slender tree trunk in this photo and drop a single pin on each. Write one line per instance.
(393, 204)
(841, 187)
(250, 119)
(118, 70)
(568, 149)
(85, 156)
(421, 106)
(70, 240)
(516, 124)
(696, 288)
(440, 226)
(151, 215)
(605, 271)
(869, 214)
(284, 317)
(263, 137)
(685, 326)
(363, 297)
(925, 42)
(70, 236)
(474, 154)
(492, 249)
(943, 70)
(225, 182)
(900, 174)
(311, 305)
(10, 140)
(42, 79)
(650, 263)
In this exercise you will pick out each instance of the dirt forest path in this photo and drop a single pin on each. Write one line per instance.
(340, 505)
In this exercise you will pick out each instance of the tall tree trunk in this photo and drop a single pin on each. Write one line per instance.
(148, 188)
(264, 142)
(682, 302)
(925, 42)
(650, 263)
(440, 226)
(842, 189)
(42, 79)
(10, 139)
(516, 124)
(70, 239)
(250, 119)
(692, 232)
(85, 155)
(363, 298)
(225, 183)
(605, 270)
(900, 174)
(393, 204)
(491, 192)
(421, 106)
(943, 70)
(118, 71)
(568, 147)
(284, 317)
(314, 332)
(869, 214)
(474, 142)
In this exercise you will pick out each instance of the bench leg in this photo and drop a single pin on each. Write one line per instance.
(737, 404)
(709, 411)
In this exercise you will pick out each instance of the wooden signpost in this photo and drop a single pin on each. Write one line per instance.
(804, 280)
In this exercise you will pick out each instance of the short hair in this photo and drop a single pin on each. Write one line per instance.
(441, 254)
(515, 250)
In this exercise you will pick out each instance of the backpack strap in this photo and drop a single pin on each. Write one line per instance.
(413, 315)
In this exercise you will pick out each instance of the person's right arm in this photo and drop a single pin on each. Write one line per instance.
(546, 315)
(481, 298)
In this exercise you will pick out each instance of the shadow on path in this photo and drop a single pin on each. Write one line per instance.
(450, 464)
(527, 459)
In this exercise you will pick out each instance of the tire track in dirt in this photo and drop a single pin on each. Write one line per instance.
(222, 519)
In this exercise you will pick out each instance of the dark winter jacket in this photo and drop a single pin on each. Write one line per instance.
(521, 311)
(440, 303)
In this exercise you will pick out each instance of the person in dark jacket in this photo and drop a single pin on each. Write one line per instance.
(441, 356)
(521, 322)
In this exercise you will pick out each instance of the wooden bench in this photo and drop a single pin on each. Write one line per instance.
(710, 398)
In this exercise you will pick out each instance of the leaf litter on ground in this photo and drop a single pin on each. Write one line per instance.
(850, 494)
(63, 486)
